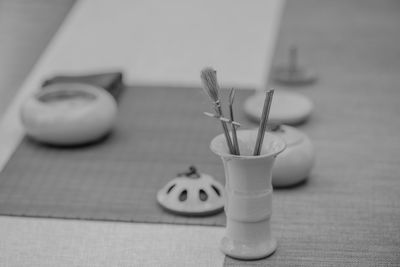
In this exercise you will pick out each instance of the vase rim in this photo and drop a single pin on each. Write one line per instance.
(276, 149)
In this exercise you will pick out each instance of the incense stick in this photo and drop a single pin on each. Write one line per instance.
(209, 79)
(263, 122)
(293, 58)
(234, 135)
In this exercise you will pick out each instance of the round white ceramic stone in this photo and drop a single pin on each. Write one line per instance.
(295, 163)
(287, 107)
(68, 114)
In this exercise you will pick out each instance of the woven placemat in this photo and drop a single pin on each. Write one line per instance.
(160, 132)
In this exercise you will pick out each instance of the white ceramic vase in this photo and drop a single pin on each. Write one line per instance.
(248, 195)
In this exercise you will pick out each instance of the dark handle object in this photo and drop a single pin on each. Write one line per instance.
(112, 82)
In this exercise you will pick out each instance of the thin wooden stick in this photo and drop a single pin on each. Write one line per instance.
(234, 135)
(263, 122)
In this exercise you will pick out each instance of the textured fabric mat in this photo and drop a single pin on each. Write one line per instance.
(159, 133)
(348, 212)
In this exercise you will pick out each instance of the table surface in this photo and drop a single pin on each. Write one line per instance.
(348, 213)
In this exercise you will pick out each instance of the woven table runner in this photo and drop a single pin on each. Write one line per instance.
(159, 133)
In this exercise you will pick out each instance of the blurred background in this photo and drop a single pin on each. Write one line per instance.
(354, 47)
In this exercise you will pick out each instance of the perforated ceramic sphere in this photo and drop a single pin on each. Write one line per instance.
(192, 195)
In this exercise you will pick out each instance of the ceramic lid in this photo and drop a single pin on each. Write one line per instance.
(192, 193)
(286, 108)
(290, 135)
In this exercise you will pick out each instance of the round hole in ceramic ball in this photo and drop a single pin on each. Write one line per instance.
(294, 164)
(67, 114)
